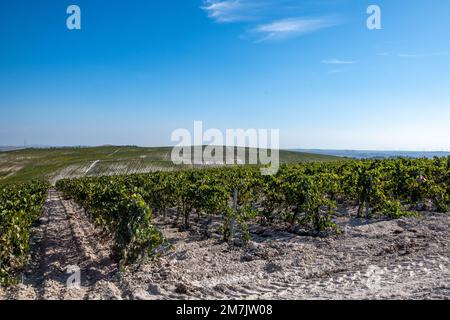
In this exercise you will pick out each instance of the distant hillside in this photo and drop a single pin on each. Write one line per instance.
(57, 163)
(7, 148)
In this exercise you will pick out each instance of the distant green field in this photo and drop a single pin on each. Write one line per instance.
(55, 163)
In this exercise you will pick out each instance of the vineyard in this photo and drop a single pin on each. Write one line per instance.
(302, 195)
(234, 214)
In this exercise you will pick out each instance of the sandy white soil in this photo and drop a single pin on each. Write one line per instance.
(10, 170)
(397, 259)
(104, 168)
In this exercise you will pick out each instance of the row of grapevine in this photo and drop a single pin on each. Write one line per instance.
(121, 212)
(305, 194)
(20, 206)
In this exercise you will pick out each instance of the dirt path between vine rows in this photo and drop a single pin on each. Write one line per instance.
(64, 242)
(385, 259)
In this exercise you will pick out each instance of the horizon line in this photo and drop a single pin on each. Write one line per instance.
(295, 149)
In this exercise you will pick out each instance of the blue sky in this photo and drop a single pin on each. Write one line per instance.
(137, 70)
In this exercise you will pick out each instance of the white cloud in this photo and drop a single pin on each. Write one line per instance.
(232, 11)
(291, 27)
(407, 55)
(224, 11)
(414, 55)
(338, 61)
(423, 55)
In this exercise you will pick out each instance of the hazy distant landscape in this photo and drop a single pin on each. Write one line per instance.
(372, 154)
(10, 148)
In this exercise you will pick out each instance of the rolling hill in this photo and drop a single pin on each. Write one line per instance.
(56, 163)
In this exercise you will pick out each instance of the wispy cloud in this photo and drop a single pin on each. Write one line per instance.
(414, 55)
(338, 61)
(272, 16)
(290, 27)
(223, 11)
(228, 11)
(423, 55)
